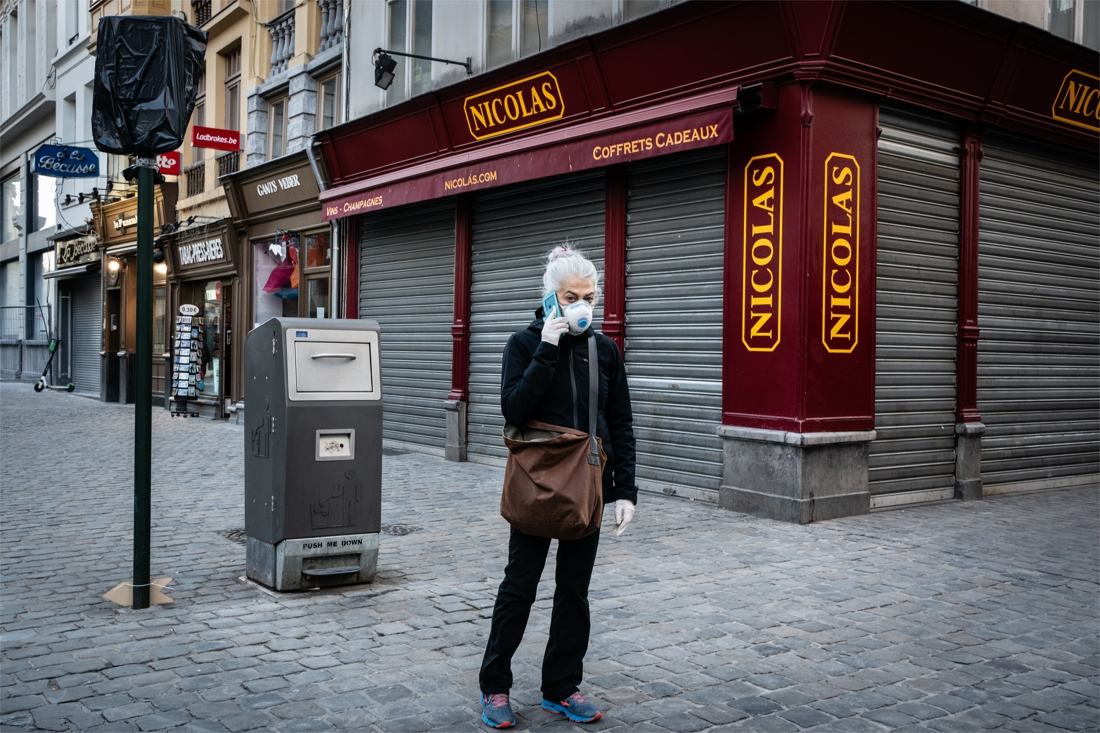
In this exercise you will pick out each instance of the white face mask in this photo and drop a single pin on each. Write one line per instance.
(579, 315)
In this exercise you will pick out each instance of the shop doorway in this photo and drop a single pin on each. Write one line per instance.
(213, 298)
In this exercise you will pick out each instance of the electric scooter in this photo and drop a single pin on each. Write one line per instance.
(41, 384)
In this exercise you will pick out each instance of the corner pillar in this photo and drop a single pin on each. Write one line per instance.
(968, 460)
(455, 404)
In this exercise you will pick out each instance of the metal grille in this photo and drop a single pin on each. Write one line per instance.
(513, 230)
(406, 283)
(228, 162)
(1039, 314)
(196, 178)
(673, 346)
(916, 307)
(87, 334)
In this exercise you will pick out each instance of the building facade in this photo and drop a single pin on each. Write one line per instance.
(849, 267)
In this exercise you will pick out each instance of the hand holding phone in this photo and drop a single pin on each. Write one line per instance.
(550, 307)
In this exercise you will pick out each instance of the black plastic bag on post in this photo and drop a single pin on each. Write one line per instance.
(146, 75)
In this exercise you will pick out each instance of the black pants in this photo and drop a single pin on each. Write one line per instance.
(563, 662)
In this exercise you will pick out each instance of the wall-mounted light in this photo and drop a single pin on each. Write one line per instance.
(158, 253)
(161, 267)
(114, 265)
(384, 65)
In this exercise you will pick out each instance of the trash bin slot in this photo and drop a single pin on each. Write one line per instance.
(323, 572)
(321, 368)
(332, 356)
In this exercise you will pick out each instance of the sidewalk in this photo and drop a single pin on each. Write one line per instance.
(954, 617)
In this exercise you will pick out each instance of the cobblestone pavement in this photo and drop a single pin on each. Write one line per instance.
(954, 617)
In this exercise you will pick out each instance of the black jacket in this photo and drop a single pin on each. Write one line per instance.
(534, 385)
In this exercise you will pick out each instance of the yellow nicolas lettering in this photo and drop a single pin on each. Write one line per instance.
(534, 100)
(1078, 101)
(762, 253)
(471, 179)
(840, 261)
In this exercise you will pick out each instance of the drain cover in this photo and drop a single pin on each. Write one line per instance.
(233, 535)
(400, 530)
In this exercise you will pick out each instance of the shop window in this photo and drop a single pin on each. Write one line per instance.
(1090, 24)
(198, 117)
(637, 8)
(399, 14)
(316, 268)
(275, 272)
(277, 129)
(499, 33)
(43, 189)
(208, 296)
(330, 101)
(533, 26)
(11, 208)
(160, 345)
(422, 45)
(232, 89)
(1061, 18)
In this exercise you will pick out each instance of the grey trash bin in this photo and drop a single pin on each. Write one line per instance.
(313, 452)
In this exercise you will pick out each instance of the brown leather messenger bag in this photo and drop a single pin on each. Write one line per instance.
(553, 481)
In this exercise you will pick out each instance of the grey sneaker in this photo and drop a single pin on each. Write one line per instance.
(574, 707)
(496, 711)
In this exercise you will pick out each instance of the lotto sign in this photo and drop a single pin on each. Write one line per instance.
(169, 163)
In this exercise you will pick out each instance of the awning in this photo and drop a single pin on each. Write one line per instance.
(686, 124)
(71, 271)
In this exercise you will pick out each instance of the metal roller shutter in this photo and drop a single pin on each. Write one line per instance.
(406, 283)
(913, 456)
(87, 334)
(513, 230)
(673, 340)
(1039, 314)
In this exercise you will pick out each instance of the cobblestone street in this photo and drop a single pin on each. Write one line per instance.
(953, 617)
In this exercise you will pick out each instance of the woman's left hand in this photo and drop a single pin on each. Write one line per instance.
(624, 512)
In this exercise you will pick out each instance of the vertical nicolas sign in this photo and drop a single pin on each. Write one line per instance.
(840, 264)
(762, 255)
(517, 105)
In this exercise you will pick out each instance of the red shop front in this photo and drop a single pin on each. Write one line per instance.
(788, 225)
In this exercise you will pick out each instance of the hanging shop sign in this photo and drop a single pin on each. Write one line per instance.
(279, 189)
(1078, 101)
(762, 253)
(74, 252)
(169, 163)
(623, 146)
(519, 105)
(62, 161)
(213, 137)
(840, 294)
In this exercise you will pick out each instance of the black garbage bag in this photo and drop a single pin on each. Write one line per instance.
(146, 73)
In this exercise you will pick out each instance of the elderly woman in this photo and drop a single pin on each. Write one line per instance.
(545, 378)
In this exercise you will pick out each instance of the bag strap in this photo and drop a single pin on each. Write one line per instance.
(593, 400)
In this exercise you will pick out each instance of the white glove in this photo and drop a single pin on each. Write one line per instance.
(553, 328)
(624, 512)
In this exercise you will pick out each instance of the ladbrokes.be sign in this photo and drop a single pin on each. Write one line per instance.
(528, 102)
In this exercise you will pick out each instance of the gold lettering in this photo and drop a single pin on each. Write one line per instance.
(551, 102)
(844, 200)
(498, 118)
(536, 101)
(478, 117)
(768, 228)
(840, 228)
(842, 176)
(1071, 94)
(513, 111)
(763, 177)
(762, 260)
(841, 319)
(761, 288)
(659, 143)
(1092, 94)
(842, 261)
(841, 288)
(522, 106)
(761, 321)
(763, 201)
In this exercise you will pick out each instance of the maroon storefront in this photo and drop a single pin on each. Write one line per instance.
(804, 213)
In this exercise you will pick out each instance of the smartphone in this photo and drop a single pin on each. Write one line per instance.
(550, 307)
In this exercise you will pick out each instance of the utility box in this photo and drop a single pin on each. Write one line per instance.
(313, 452)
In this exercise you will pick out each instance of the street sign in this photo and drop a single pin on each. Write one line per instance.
(213, 137)
(62, 161)
(169, 163)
